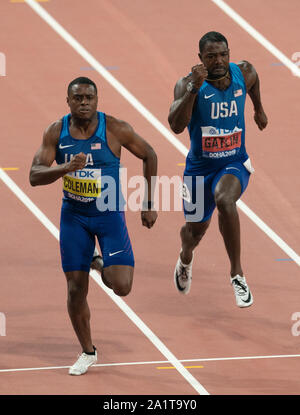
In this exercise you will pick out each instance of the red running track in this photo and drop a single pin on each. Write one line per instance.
(147, 46)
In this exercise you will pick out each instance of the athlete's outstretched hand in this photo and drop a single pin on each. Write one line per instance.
(261, 119)
(199, 74)
(149, 218)
(77, 163)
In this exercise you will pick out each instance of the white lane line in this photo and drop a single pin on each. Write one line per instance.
(258, 37)
(122, 305)
(151, 336)
(105, 74)
(271, 234)
(29, 204)
(149, 117)
(156, 362)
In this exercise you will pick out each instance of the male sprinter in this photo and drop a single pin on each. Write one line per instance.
(210, 101)
(86, 145)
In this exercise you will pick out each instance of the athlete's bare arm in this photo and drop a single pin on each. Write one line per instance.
(121, 134)
(182, 107)
(252, 84)
(42, 172)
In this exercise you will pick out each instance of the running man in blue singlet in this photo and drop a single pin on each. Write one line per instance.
(210, 102)
(86, 145)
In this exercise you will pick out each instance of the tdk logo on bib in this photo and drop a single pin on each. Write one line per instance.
(84, 174)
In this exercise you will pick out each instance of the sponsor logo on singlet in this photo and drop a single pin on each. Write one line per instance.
(219, 143)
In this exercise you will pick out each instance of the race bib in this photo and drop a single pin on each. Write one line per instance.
(219, 143)
(85, 184)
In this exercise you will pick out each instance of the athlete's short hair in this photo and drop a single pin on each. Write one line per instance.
(211, 37)
(81, 80)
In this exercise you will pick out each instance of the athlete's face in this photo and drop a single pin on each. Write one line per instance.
(83, 101)
(215, 58)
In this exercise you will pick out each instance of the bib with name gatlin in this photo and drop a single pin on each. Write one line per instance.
(83, 188)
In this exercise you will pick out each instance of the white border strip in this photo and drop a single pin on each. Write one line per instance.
(149, 117)
(121, 304)
(257, 36)
(156, 362)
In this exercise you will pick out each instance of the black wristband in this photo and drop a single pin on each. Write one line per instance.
(191, 88)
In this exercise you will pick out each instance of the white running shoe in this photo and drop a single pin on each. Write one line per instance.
(183, 276)
(242, 292)
(83, 363)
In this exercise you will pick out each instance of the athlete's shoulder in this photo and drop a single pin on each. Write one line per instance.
(248, 71)
(180, 86)
(55, 127)
(119, 131)
(52, 132)
(116, 125)
(245, 66)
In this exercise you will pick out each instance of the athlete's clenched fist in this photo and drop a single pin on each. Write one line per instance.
(199, 74)
(78, 162)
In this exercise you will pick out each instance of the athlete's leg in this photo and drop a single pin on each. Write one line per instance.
(78, 309)
(198, 205)
(191, 234)
(227, 189)
(77, 246)
(118, 258)
(227, 192)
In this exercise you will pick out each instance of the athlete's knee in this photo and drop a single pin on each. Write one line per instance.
(76, 292)
(122, 288)
(225, 203)
(119, 278)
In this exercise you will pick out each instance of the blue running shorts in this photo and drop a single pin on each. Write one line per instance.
(198, 191)
(77, 239)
